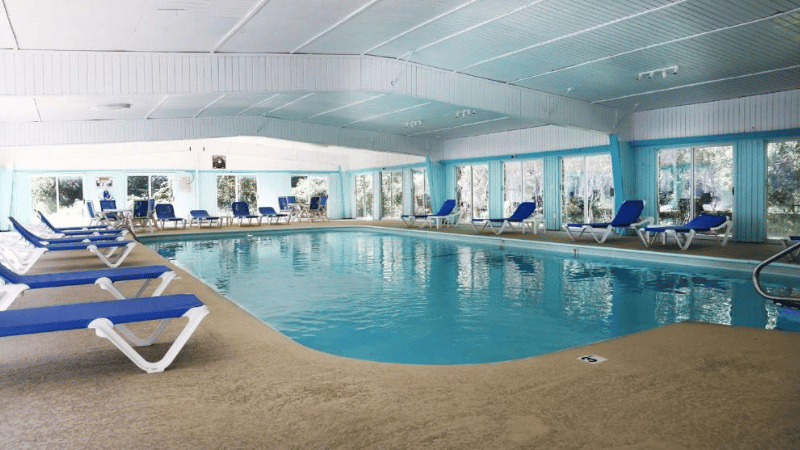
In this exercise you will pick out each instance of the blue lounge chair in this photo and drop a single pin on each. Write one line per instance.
(142, 215)
(109, 213)
(103, 317)
(201, 216)
(166, 213)
(719, 226)
(93, 246)
(80, 231)
(289, 208)
(269, 213)
(62, 240)
(95, 218)
(628, 217)
(444, 213)
(16, 283)
(523, 211)
(790, 241)
(241, 211)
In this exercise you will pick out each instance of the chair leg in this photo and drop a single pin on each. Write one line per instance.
(106, 257)
(105, 328)
(165, 278)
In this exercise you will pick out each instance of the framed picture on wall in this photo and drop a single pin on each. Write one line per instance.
(105, 182)
(218, 162)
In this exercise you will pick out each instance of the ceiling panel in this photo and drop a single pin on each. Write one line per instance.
(18, 109)
(282, 26)
(615, 77)
(183, 106)
(745, 86)
(496, 125)
(66, 109)
(132, 25)
(273, 102)
(538, 23)
(469, 16)
(377, 24)
(234, 104)
(386, 105)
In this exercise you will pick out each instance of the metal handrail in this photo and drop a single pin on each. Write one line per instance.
(786, 301)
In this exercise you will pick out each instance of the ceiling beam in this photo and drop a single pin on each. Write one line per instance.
(8, 23)
(250, 14)
(168, 74)
(337, 24)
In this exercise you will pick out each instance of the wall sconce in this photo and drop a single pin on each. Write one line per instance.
(664, 72)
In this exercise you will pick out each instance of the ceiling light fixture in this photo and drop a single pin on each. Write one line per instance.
(465, 113)
(111, 107)
(664, 72)
(413, 123)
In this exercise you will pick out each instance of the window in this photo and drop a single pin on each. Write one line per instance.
(587, 189)
(303, 188)
(422, 201)
(61, 197)
(364, 196)
(783, 189)
(522, 182)
(472, 191)
(391, 195)
(693, 181)
(236, 188)
(158, 187)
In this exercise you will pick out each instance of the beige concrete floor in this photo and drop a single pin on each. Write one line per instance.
(240, 384)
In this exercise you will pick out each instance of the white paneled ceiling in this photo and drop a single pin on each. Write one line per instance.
(585, 50)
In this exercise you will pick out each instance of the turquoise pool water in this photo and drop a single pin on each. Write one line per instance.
(413, 299)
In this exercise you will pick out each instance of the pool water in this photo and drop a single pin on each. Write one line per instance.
(413, 299)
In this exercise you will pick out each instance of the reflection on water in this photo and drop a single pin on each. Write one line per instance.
(407, 299)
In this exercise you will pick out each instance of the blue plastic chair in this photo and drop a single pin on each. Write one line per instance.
(166, 213)
(444, 212)
(269, 213)
(628, 217)
(719, 226)
(524, 211)
(104, 317)
(241, 211)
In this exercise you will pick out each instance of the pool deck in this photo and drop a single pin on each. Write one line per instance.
(240, 384)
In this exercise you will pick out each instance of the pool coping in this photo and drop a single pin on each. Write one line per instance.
(575, 249)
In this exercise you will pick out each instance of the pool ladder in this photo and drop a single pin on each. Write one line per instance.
(792, 302)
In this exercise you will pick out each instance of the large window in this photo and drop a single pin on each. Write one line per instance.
(422, 202)
(693, 181)
(587, 189)
(783, 189)
(236, 188)
(364, 196)
(472, 191)
(391, 195)
(158, 187)
(305, 187)
(522, 182)
(60, 197)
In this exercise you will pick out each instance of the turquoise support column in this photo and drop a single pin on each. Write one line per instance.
(552, 192)
(617, 170)
(496, 189)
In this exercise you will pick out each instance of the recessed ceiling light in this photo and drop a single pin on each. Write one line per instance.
(111, 107)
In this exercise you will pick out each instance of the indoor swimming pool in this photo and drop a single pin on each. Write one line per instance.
(417, 299)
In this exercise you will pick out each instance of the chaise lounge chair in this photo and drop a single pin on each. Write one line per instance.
(22, 263)
(104, 316)
(80, 231)
(719, 226)
(269, 213)
(524, 211)
(241, 211)
(201, 216)
(166, 213)
(628, 217)
(790, 241)
(429, 219)
(105, 278)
